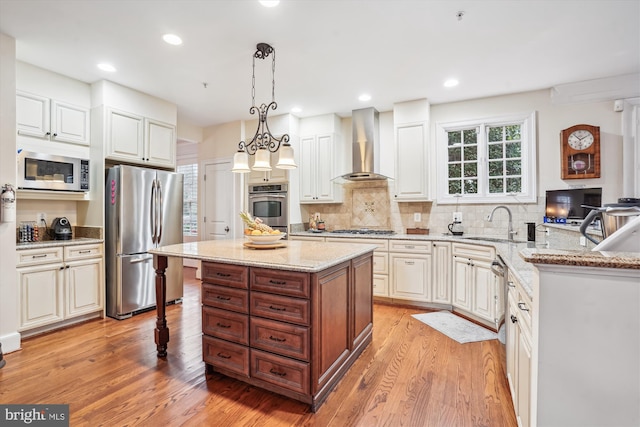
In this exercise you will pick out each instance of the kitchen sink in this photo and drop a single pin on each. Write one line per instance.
(495, 239)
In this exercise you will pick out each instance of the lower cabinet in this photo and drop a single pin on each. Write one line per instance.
(59, 284)
(293, 333)
(519, 345)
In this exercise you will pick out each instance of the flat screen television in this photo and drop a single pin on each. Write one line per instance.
(567, 204)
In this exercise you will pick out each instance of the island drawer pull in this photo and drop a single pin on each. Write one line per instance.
(223, 274)
(39, 256)
(280, 374)
(278, 308)
(522, 306)
(277, 282)
(221, 325)
(276, 339)
(224, 356)
(220, 297)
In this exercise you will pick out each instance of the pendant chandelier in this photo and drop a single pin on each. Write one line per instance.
(263, 142)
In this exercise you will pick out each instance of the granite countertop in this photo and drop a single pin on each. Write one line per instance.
(50, 243)
(519, 257)
(301, 256)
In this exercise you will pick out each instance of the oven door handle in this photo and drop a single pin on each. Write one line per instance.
(265, 196)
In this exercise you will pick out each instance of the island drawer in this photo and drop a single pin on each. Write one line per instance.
(280, 282)
(294, 310)
(224, 297)
(225, 324)
(225, 274)
(281, 338)
(281, 371)
(225, 355)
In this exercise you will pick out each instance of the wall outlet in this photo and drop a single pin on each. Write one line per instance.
(42, 217)
(457, 217)
(583, 241)
(417, 217)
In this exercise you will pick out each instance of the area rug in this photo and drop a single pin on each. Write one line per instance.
(456, 327)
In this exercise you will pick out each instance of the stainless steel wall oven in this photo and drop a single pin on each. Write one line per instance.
(270, 202)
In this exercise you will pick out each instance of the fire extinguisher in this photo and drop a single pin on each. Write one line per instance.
(8, 198)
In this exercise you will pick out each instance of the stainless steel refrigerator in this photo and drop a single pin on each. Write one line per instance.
(143, 210)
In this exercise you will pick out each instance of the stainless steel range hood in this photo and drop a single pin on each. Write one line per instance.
(365, 147)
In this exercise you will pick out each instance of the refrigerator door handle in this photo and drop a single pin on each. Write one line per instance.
(160, 217)
(139, 260)
(154, 230)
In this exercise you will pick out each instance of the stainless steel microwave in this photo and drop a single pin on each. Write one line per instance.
(37, 171)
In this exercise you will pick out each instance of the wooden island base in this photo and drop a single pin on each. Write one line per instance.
(295, 333)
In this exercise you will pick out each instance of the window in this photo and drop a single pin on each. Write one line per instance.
(190, 199)
(487, 161)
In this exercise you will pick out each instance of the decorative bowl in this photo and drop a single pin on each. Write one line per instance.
(265, 239)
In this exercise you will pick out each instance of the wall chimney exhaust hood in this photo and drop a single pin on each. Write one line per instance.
(365, 147)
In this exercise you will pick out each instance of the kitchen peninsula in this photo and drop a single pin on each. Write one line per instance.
(291, 320)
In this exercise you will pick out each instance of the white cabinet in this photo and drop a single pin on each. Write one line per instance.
(275, 175)
(411, 151)
(475, 287)
(48, 119)
(317, 169)
(441, 273)
(137, 139)
(519, 345)
(410, 269)
(58, 284)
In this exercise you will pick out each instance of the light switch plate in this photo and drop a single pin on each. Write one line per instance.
(417, 217)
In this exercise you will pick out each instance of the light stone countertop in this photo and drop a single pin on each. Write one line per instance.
(51, 243)
(301, 256)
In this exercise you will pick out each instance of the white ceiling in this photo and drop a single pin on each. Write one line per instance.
(328, 51)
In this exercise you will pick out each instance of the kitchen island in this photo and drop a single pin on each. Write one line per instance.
(291, 320)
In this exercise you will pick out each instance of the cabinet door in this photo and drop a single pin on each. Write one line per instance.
(276, 175)
(483, 293)
(411, 162)
(70, 123)
(160, 143)
(524, 380)
(32, 115)
(324, 168)
(308, 164)
(410, 276)
(462, 278)
(512, 337)
(125, 136)
(83, 287)
(41, 295)
(441, 280)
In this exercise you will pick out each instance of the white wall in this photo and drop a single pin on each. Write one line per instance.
(9, 336)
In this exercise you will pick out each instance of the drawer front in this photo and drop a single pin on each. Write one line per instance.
(39, 256)
(224, 274)
(294, 310)
(281, 371)
(411, 246)
(223, 354)
(383, 244)
(474, 251)
(226, 298)
(281, 338)
(72, 253)
(225, 324)
(280, 282)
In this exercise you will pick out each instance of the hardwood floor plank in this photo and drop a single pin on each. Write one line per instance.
(108, 372)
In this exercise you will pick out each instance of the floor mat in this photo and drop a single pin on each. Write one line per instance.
(456, 327)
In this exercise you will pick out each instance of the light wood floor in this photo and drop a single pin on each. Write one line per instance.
(107, 370)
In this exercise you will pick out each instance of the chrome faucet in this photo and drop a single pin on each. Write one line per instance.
(510, 232)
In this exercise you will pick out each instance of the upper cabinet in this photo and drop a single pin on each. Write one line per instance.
(274, 175)
(48, 119)
(411, 151)
(137, 139)
(319, 160)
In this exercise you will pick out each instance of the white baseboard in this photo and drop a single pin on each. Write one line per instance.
(10, 342)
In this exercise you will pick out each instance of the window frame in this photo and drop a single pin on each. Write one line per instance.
(194, 217)
(528, 155)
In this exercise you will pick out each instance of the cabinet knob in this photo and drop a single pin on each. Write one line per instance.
(522, 306)
(510, 284)
(55, 134)
(514, 319)
(48, 133)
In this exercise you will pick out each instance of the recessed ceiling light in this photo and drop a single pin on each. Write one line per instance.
(107, 67)
(172, 39)
(296, 110)
(451, 83)
(364, 97)
(269, 3)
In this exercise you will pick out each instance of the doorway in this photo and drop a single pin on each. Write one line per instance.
(221, 200)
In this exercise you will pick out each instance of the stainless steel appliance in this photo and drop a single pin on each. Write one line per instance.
(37, 171)
(269, 202)
(499, 268)
(612, 216)
(143, 210)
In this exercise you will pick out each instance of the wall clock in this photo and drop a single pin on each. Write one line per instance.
(580, 153)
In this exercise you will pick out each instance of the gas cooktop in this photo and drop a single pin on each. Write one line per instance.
(364, 231)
